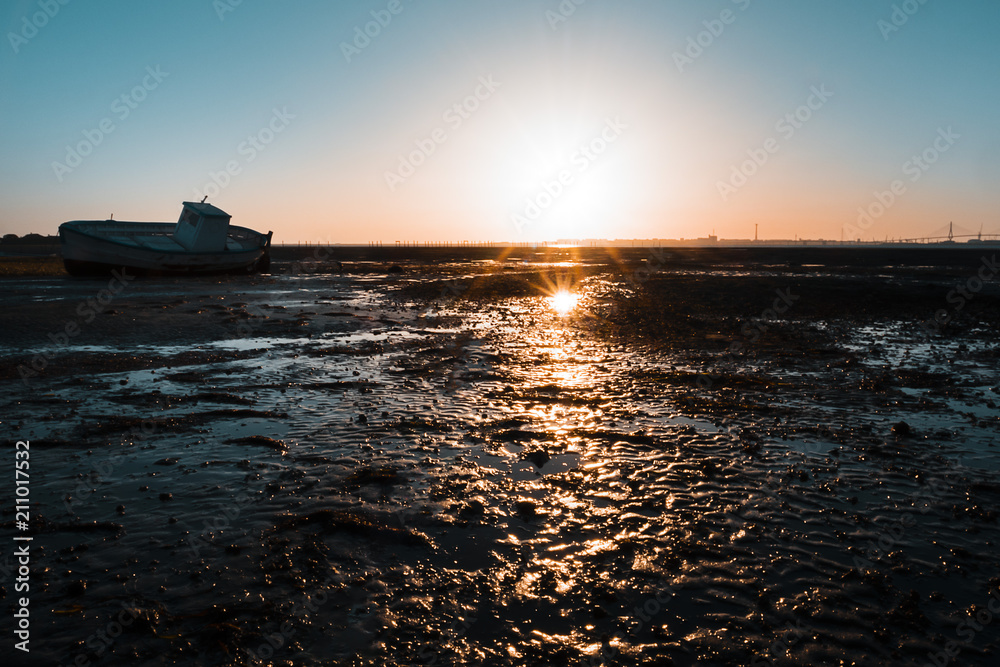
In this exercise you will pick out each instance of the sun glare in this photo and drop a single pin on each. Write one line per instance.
(563, 302)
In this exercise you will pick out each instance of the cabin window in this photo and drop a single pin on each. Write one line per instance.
(190, 217)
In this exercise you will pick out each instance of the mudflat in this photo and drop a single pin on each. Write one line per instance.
(438, 457)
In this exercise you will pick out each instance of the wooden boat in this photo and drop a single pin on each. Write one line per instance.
(201, 242)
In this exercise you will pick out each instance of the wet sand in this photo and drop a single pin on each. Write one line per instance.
(404, 461)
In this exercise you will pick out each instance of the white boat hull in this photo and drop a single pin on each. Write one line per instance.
(87, 249)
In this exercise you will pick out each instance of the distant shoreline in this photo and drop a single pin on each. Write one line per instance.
(39, 261)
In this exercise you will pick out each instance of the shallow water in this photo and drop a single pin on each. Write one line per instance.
(492, 483)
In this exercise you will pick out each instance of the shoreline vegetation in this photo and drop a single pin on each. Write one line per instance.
(44, 260)
(31, 267)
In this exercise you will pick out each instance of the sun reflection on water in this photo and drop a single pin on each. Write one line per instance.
(563, 302)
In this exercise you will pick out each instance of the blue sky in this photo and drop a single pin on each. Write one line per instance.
(332, 130)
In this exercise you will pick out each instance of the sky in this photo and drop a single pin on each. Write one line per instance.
(505, 120)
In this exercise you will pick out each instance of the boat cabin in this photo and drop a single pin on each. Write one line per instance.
(202, 228)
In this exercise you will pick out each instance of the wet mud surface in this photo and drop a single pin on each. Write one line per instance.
(447, 465)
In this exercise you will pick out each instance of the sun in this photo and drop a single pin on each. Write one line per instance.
(561, 174)
(563, 302)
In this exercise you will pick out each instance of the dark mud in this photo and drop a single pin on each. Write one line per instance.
(433, 466)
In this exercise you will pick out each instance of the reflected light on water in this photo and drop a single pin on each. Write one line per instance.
(563, 302)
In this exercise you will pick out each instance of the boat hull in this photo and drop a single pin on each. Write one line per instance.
(86, 253)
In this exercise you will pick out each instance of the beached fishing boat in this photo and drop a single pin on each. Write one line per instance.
(201, 242)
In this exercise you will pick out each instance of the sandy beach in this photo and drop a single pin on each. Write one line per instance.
(421, 458)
